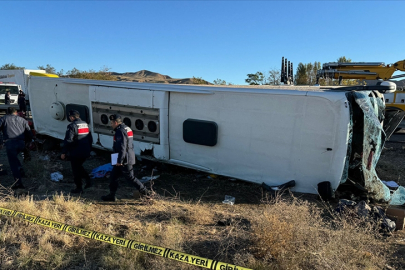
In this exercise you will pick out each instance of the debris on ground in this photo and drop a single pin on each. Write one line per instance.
(398, 215)
(229, 200)
(362, 212)
(274, 190)
(398, 197)
(148, 178)
(56, 176)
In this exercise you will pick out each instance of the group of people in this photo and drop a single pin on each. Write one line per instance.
(77, 144)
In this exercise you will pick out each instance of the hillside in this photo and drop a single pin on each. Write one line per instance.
(150, 77)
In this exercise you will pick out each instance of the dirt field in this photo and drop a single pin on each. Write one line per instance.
(186, 185)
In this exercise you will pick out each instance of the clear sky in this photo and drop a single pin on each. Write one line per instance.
(208, 39)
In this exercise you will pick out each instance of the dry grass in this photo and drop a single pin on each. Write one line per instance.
(27, 246)
(297, 235)
(280, 235)
(285, 233)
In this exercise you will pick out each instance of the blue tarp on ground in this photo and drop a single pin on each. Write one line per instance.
(101, 171)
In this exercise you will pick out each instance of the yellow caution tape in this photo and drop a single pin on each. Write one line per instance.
(122, 242)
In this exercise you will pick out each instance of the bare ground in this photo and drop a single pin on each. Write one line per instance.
(391, 167)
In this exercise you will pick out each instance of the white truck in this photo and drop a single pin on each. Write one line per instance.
(269, 135)
(14, 81)
(13, 89)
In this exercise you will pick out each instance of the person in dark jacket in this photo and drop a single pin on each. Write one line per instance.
(7, 96)
(21, 102)
(123, 146)
(77, 144)
(16, 132)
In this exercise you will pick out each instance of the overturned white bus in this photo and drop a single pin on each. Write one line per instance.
(263, 134)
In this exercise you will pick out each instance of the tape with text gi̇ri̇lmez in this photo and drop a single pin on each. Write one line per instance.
(122, 242)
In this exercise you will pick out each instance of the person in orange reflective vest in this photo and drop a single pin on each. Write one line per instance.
(78, 142)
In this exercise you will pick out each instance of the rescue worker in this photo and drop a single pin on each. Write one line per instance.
(7, 100)
(123, 146)
(16, 132)
(77, 144)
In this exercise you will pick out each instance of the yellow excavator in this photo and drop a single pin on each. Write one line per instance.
(361, 71)
(394, 102)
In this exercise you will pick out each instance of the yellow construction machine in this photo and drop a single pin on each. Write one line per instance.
(394, 101)
(361, 71)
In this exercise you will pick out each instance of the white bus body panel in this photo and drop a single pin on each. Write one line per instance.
(45, 91)
(264, 135)
(270, 138)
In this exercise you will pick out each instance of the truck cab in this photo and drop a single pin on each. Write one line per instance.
(14, 90)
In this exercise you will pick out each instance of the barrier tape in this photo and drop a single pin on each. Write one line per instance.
(125, 243)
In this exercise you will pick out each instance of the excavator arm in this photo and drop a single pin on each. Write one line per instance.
(360, 70)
